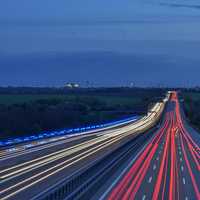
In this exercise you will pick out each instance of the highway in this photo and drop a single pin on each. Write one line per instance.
(167, 168)
(139, 160)
(28, 172)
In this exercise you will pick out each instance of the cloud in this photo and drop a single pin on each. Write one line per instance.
(179, 5)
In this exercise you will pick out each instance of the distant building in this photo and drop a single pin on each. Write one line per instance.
(132, 85)
(197, 88)
(72, 85)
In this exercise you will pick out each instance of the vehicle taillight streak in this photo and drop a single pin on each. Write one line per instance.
(178, 166)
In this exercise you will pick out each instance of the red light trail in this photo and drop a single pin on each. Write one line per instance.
(177, 175)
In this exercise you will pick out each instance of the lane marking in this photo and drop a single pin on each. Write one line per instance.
(144, 197)
(186, 198)
(184, 181)
(157, 158)
(150, 179)
(182, 168)
(154, 167)
(181, 159)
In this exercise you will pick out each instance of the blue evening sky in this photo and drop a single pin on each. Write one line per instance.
(107, 42)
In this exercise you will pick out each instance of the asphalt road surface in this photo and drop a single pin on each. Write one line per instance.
(167, 168)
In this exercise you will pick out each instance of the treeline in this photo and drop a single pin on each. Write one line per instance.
(84, 107)
(192, 107)
(157, 92)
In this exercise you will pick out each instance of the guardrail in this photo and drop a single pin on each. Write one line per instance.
(66, 132)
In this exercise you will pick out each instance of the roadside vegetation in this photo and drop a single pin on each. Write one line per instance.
(192, 107)
(31, 110)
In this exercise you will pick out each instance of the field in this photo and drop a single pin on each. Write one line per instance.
(21, 99)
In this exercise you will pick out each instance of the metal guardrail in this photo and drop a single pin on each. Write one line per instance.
(65, 132)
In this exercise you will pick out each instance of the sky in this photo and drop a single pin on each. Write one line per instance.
(107, 42)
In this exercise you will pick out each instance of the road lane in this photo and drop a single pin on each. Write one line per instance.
(131, 180)
(168, 168)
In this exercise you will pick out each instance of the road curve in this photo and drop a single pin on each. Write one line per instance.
(25, 174)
